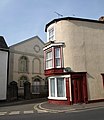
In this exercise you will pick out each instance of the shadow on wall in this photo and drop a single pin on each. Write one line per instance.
(89, 76)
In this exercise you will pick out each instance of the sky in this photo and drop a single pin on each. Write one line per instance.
(23, 19)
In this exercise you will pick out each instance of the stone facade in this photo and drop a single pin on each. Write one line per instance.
(26, 64)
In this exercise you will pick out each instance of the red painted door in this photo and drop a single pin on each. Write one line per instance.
(77, 90)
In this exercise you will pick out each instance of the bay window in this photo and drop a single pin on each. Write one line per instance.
(57, 88)
(53, 57)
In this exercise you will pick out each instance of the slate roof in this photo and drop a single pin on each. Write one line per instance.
(72, 18)
(3, 44)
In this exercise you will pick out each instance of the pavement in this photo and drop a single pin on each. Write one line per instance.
(21, 102)
(42, 105)
(54, 108)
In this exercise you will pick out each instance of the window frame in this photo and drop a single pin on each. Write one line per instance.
(23, 64)
(57, 58)
(56, 88)
(54, 57)
(49, 59)
(51, 34)
(36, 85)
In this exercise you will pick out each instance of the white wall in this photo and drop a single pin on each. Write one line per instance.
(3, 74)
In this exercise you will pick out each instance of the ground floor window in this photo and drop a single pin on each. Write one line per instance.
(57, 87)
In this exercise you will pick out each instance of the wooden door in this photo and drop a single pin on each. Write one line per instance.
(77, 91)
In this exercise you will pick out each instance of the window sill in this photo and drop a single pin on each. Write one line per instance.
(58, 98)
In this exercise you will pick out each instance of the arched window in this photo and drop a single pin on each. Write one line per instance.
(36, 65)
(36, 85)
(22, 80)
(23, 64)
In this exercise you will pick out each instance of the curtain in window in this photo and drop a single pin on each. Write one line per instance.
(60, 87)
(52, 87)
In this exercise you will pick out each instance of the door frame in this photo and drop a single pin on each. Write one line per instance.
(78, 97)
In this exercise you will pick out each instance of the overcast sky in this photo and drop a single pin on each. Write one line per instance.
(23, 19)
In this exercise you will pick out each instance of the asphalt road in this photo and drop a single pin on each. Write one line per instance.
(94, 114)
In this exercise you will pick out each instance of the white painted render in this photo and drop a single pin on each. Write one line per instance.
(83, 51)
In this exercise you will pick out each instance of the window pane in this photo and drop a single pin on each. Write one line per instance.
(49, 59)
(57, 57)
(60, 87)
(23, 63)
(51, 34)
(52, 87)
(36, 87)
(49, 55)
(57, 61)
(57, 52)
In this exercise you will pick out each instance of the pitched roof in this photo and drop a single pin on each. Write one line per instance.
(72, 18)
(27, 41)
(3, 44)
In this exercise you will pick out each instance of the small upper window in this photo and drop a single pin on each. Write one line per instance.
(51, 34)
